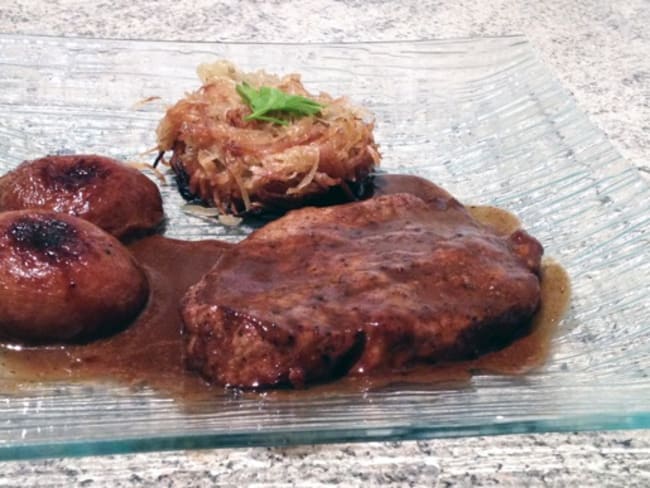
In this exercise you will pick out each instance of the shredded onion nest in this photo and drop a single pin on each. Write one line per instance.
(240, 166)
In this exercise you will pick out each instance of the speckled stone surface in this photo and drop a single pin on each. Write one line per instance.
(599, 50)
(601, 460)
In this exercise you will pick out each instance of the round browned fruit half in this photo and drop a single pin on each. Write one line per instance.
(64, 279)
(113, 196)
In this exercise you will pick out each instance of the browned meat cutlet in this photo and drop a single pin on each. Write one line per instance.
(380, 284)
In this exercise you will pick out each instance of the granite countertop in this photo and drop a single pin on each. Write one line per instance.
(600, 50)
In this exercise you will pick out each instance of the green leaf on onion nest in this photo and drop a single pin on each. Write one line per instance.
(267, 100)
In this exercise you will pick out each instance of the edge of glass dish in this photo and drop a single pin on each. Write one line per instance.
(277, 436)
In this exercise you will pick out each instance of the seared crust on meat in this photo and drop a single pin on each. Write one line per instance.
(379, 284)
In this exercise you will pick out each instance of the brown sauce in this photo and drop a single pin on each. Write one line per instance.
(150, 351)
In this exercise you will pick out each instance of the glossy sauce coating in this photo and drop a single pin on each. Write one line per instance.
(381, 284)
(150, 351)
(64, 279)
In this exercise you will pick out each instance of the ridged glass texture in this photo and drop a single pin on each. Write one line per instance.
(482, 117)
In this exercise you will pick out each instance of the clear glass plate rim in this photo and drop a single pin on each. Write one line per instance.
(278, 437)
(628, 420)
(520, 36)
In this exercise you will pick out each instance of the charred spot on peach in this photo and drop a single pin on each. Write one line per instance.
(64, 279)
(52, 238)
(69, 177)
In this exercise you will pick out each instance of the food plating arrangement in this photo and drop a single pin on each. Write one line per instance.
(353, 272)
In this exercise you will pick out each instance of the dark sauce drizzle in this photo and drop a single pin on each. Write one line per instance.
(150, 351)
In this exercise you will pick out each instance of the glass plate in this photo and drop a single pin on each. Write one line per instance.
(482, 117)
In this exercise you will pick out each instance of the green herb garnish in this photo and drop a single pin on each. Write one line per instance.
(271, 100)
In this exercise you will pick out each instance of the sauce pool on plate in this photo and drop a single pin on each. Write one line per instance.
(151, 350)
